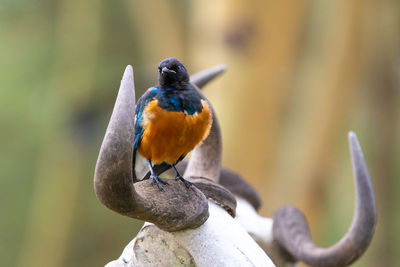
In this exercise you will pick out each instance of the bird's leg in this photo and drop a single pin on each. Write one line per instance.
(179, 177)
(154, 178)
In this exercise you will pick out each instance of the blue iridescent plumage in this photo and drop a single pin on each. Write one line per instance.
(141, 104)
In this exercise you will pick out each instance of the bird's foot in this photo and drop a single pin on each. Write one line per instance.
(157, 181)
(186, 182)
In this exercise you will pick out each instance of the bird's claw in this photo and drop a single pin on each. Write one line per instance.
(186, 182)
(157, 181)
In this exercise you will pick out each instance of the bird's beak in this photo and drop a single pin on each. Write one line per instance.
(166, 70)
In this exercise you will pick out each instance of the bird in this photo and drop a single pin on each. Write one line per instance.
(171, 119)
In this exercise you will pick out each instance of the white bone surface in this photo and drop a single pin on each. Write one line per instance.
(220, 241)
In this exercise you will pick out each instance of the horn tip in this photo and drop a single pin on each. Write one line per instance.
(128, 69)
(200, 79)
(352, 137)
(128, 75)
(354, 144)
(221, 68)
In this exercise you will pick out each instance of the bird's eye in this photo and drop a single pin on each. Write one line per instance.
(159, 69)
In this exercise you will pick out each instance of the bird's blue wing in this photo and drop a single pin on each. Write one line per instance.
(148, 96)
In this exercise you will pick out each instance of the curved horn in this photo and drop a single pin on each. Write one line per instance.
(239, 187)
(291, 231)
(205, 161)
(234, 183)
(204, 166)
(203, 77)
(176, 208)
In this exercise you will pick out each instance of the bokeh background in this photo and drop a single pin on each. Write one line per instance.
(301, 75)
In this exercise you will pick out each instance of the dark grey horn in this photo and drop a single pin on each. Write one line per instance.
(175, 208)
(291, 231)
(204, 166)
(203, 77)
(234, 183)
(205, 161)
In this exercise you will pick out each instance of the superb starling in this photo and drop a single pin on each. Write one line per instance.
(171, 120)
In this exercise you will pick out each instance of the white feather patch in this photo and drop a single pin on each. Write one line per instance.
(141, 167)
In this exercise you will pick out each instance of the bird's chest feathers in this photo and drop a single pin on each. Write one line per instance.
(168, 135)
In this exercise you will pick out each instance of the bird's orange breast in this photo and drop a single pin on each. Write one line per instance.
(168, 135)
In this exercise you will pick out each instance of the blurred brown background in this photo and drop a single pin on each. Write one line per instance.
(301, 75)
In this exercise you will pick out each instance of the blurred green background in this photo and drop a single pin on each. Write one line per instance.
(301, 75)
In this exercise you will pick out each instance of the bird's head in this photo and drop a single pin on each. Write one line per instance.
(171, 72)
